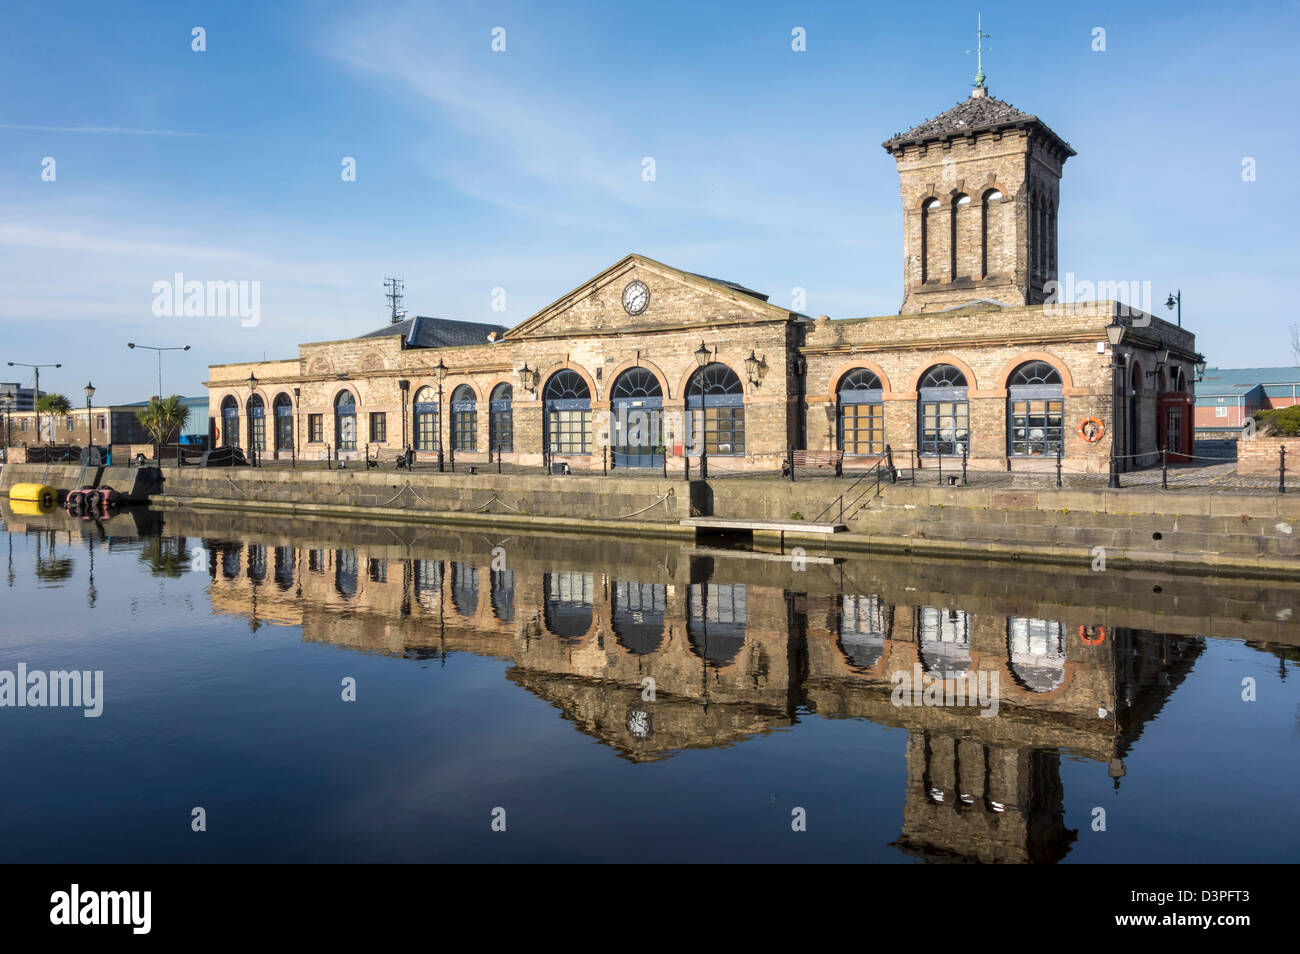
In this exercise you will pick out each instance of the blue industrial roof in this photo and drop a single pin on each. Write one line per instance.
(1238, 382)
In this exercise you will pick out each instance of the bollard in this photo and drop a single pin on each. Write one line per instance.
(790, 459)
(940, 466)
(963, 467)
(1281, 470)
(1060, 450)
(687, 461)
(604, 461)
(1164, 468)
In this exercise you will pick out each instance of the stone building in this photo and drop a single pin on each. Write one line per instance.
(642, 364)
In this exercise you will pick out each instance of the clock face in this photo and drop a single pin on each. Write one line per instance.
(635, 297)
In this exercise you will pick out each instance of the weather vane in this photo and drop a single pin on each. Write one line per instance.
(980, 49)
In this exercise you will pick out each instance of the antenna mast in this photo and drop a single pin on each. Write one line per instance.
(395, 286)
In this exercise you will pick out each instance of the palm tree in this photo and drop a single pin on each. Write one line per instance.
(54, 405)
(163, 419)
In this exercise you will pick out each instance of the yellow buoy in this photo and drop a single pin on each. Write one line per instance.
(30, 508)
(43, 494)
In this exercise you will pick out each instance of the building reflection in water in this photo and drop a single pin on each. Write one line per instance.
(736, 649)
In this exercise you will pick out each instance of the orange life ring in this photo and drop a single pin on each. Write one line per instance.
(1093, 635)
(216, 434)
(1091, 429)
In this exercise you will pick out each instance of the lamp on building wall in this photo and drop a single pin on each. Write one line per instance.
(1200, 367)
(528, 378)
(754, 368)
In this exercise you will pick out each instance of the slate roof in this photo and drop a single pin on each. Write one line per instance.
(976, 114)
(423, 332)
(734, 286)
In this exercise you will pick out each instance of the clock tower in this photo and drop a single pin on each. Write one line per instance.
(980, 186)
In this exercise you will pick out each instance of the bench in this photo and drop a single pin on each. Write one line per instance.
(806, 458)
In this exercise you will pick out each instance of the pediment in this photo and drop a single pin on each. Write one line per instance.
(675, 299)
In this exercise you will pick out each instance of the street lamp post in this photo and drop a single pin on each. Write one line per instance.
(133, 345)
(90, 434)
(252, 437)
(702, 359)
(441, 372)
(36, 388)
(1176, 300)
(1114, 334)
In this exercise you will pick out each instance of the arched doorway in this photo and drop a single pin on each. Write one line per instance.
(861, 414)
(943, 413)
(567, 408)
(425, 418)
(636, 427)
(715, 401)
(229, 422)
(345, 422)
(501, 423)
(256, 423)
(1035, 411)
(464, 419)
(283, 422)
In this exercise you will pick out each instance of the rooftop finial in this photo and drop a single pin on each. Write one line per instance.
(980, 48)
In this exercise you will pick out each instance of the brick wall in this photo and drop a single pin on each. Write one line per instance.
(1262, 455)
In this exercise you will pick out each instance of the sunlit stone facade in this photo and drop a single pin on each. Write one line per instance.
(640, 366)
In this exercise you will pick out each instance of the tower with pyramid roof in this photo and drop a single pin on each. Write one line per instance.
(980, 186)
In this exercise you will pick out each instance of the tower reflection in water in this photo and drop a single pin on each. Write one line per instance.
(736, 646)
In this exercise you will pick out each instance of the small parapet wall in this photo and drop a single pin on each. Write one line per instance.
(1218, 531)
(1263, 455)
(571, 501)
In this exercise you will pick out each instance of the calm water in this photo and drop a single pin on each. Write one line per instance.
(225, 642)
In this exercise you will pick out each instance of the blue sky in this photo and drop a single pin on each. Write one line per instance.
(521, 169)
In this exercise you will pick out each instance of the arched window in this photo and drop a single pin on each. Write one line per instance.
(715, 400)
(464, 588)
(569, 600)
(991, 231)
(501, 423)
(638, 615)
(718, 616)
(931, 253)
(464, 419)
(864, 627)
(943, 412)
(426, 419)
(944, 636)
(862, 413)
(256, 562)
(283, 422)
(964, 238)
(567, 407)
(345, 422)
(1035, 411)
(257, 422)
(428, 584)
(1036, 649)
(285, 563)
(503, 595)
(345, 573)
(229, 422)
(636, 406)
(231, 558)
